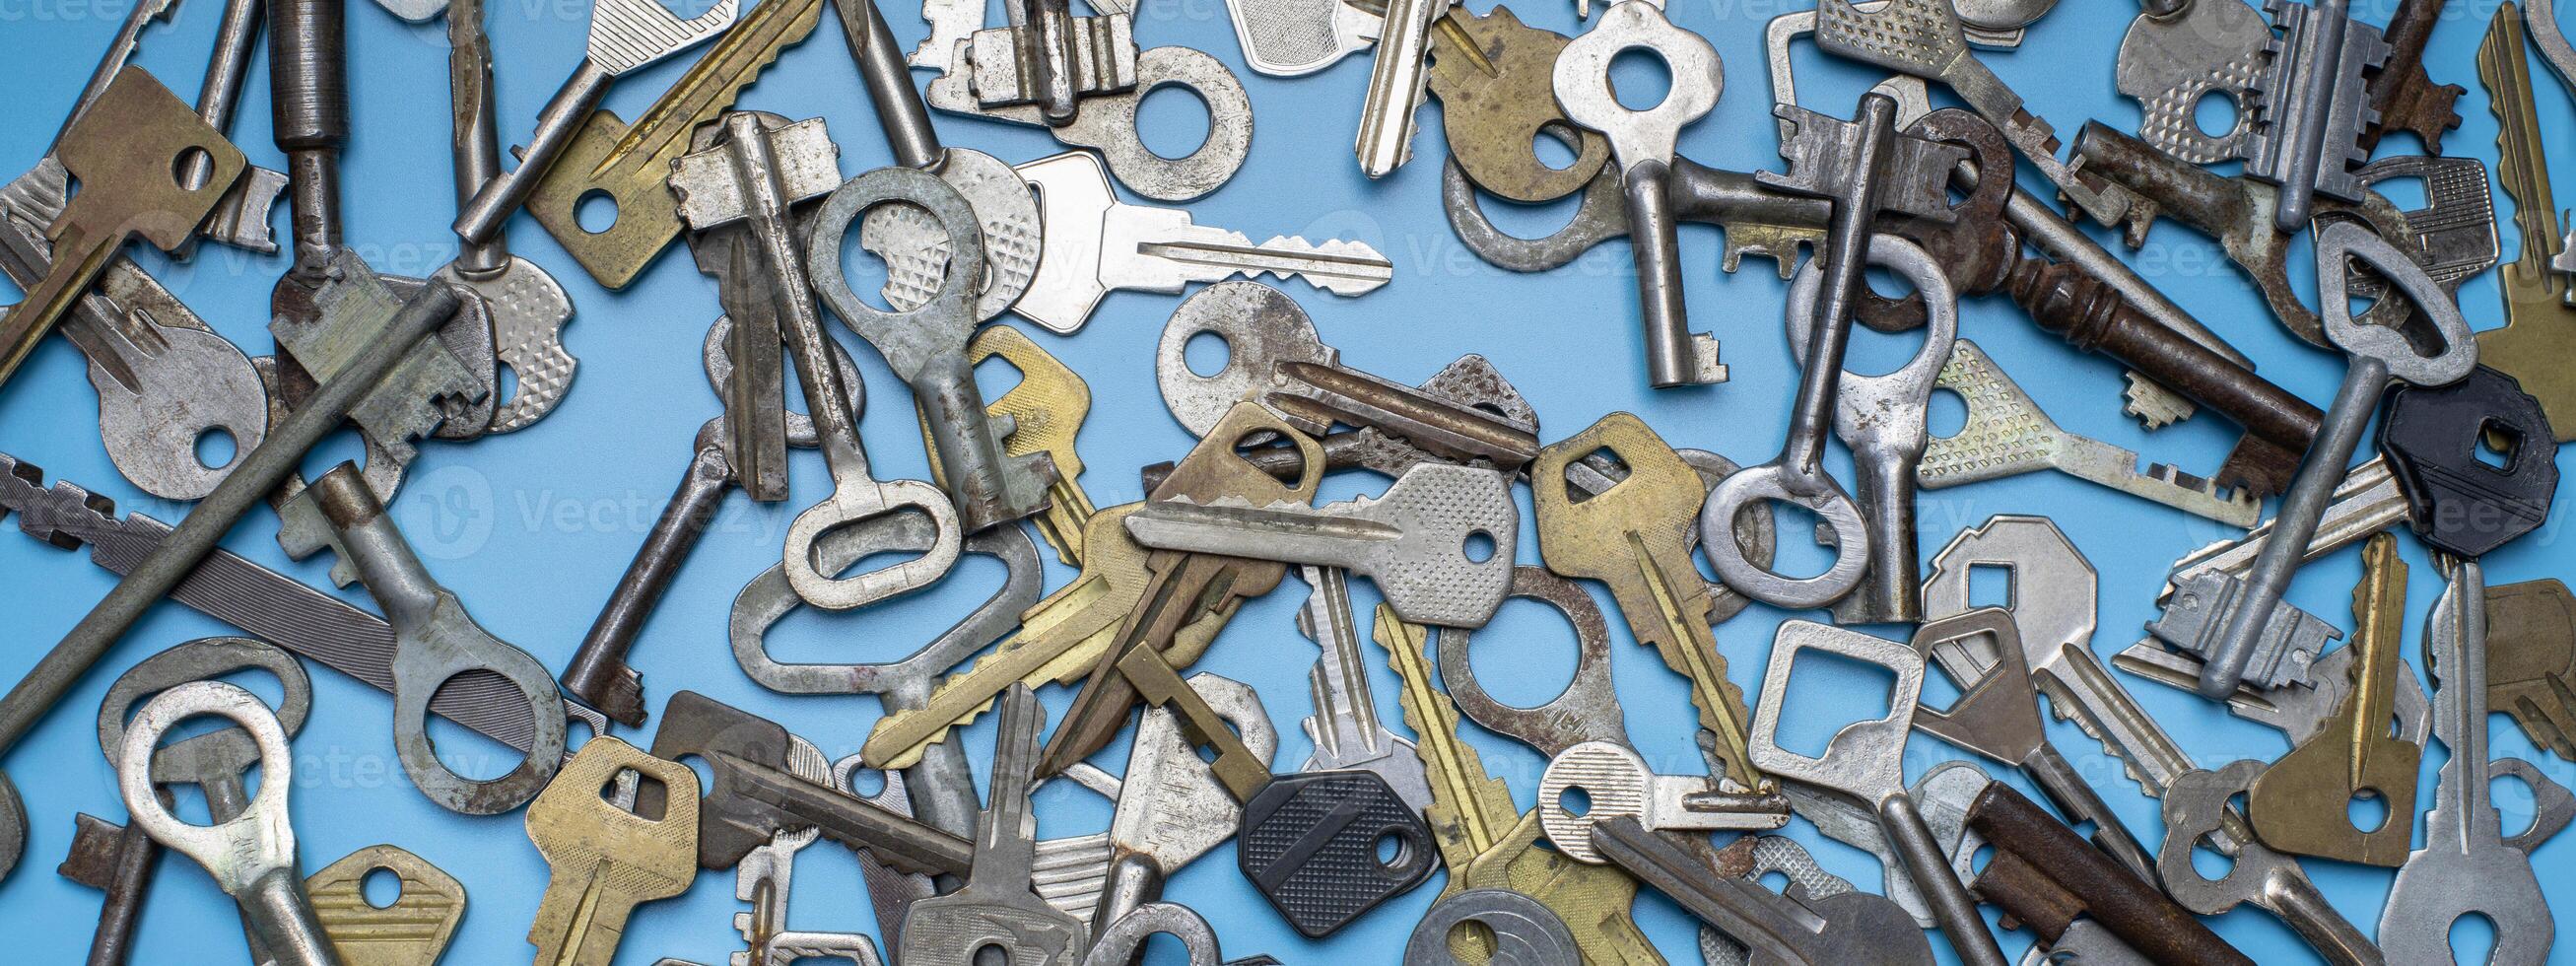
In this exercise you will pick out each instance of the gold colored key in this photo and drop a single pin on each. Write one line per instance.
(2539, 332)
(1485, 841)
(2299, 803)
(1633, 537)
(2534, 677)
(630, 165)
(1059, 641)
(605, 860)
(1046, 411)
(413, 930)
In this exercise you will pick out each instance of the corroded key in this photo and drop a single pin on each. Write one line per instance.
(1044, 413)
(2530, 677)
(1631, 536)
(1495, 78)
(2538, 319)
(411, 930)
(2296, 804)
(124, 152)
(604, 860)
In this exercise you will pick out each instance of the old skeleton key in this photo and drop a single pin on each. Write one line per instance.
(602, 860)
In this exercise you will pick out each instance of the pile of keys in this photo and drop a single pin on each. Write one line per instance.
(2463, 423)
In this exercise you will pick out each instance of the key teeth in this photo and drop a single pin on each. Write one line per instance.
(62, 514)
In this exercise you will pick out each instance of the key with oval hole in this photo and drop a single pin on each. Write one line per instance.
(1044, 411)
(1865, 761)
(1631, 536)
(1121, 941)
(436, 640)
(997, 907)
(1418, 541)
(602, 860)
(252, 855)
(2352, 755)
(1997, 715)
(411, 930)
(1486, 840)
(926, 346)
(2052, 588)
(1781, 928)
(625, 35)
(1613, 782)
(629, 164)
(1095, 244)
(2378, 357)
(2537, 310)
(123, 152)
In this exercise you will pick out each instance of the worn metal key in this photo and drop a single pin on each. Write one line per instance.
(1612, 781)
(997, 908)
(2352, 755)
(603, 860)
(2537, 314)
(1781, 928)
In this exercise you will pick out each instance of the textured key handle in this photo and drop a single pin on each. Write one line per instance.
(769, 597)
(1308, 842)
(237, 853)
(627, 34)
(1582, 81)
(1614, 781)
(2338, 245)
(1261, 327)
(942, 324)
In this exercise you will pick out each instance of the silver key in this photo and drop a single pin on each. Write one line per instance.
(1944, 793)
(1791, 927)
(996, 907)
(1344, 728)
(2465, 866)
(1760, 856)
(529, 308)
(1616, 783)
(1171, 809)
(2296, 710)
(1094, 245)
(2007, 434)
(1122, 940)
(1416, 540)
(2366, 502)
(1397, 81)
(2309, 105)
(2173, 57)
(252, 857)
(1293, 38)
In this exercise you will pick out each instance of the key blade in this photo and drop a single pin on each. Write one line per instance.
(1288, 535)
(1397, 82)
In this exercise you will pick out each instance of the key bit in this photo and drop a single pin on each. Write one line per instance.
(2401, 94)
(2197, 612)
(2309, 105)
(2532, 676)
(2294, 802)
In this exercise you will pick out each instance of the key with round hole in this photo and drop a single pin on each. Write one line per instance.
(1615, 783)
(926, 345)
(1495, 77)
(1586, 710)
(1754, 859)
(436, 640)
(1641, 142)
(1519, 931)
(1781, 928)
(1866, 761)
(1122, 940)
(603, 860)
(1632, 537)
(2379, 356)
(997, 907)
(2296, 801)
(412, 930)
(1997, 715)
(123, 151)
(1865, 167)
(1045, 412)
(1107, 120)
(625, 35)
(252, 855)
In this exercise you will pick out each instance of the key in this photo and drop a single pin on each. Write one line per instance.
(1782, 928)
(1755, 858)
(996, 907)
(764, 877)
(1882, 419)
(2536, 307)
(2309, 104)
(1486, 840)
(2298, 711)
(1630, 536)
(1344, 728)
(1495, 78)
(2180, 51)
(529, 308)
(2351, 755)
(412, 930)
(1588, 708)
(624, 35)
(1865, 761)
(1614, 782)
(251, 855)
(755, 794)
(631, 163)
(1097, 245)
(2043, 876)
(1418, 541)
(121, 151)
(1123, 940)
(1641, 141)
(1518, 930)
(1755, 220)
(1044, 411)
(754, 176)
(1467, 413)
(601, 860)
(1997, 715)
(2436, 440)
(925, 346)
(1398, 79)
(2007, 434)
(435, 640)
(1943, 793)
(890, 893)
(2379, 356)
(194, 540)
(1183, 583)
(2052, 589)
(1866, 167)
(2465, 865)
(1170, 808)
(1280, 38)
(986, 65)
(2539, 617)
(118, 860)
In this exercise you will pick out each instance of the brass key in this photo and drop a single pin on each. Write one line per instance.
(1632, 537)
(2530, 677)
(125, 152)
(630, 165)
(413, 930)
(1045, 411)
(2298, 803)
(603, 860)
(1486, 840)
(2539, 326)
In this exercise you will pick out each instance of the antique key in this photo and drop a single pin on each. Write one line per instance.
(624, 35)
(603, 860)
(1045, 412)
(1494, 76)
(123, 151)
(1631, 537)
(2537, 315)
(2310, 104)
(2044, 876)
(757, 793)
(1641, 141)
(996, 907)
(2352, 754)
(252, 855)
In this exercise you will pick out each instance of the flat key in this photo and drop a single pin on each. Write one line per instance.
(1045, 411)
(123, 151)
(602, 860)
(997, 908)
(1588, 708)
(2537, 313)
(529, 308)
(624, 35)
(412, 930)
(1495, 79)
(1616, 782)
(2352, 755)
(1344, 728)
(1170, 808)
(1280, 38)
(1397, 81)
(1631, 536)
(2539, 617)
(1419, 541)
(1095, 244)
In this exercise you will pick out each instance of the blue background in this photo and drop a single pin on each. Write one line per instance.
(531, 529)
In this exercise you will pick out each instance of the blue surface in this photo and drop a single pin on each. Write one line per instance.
(531, 529)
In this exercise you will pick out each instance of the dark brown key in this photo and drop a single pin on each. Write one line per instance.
(2044, 876)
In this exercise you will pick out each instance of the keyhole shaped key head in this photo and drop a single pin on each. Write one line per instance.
(126, 152)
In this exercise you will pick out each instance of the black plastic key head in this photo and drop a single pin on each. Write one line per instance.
(2433, 439)
(1309, 843)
